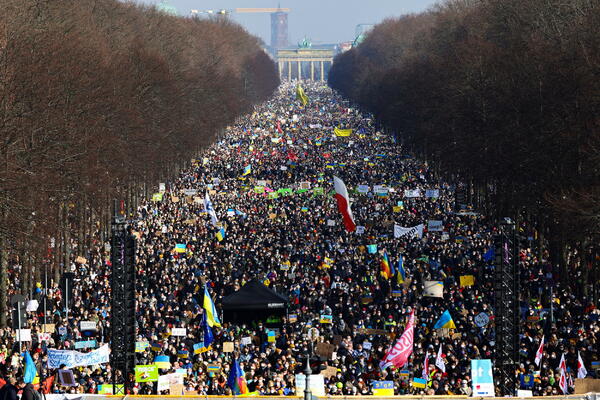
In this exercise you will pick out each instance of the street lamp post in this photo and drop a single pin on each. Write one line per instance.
(307, 372)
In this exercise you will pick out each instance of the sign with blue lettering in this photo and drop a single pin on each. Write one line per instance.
(383, 388)
(483, 380)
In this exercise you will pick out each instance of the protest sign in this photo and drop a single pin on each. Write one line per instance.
(73, 359)
(383, 388)
(66, 378)
(146, 373)
(433, 289)
(435, 226)
(415, 231)
(178, 331)
(316, 384)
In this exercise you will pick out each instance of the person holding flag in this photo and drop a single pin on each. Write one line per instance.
(439, 361)
(211, 312)
(581, 371)
(562, 382)
(400, 272)
(236, 380)
(398, 355)
(539, 353)
(387, 270)
(343, 202)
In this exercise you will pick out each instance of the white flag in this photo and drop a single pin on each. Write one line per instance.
(581, 371)
(439, 361)
(208, 207)
(562, 382)
(539, 353)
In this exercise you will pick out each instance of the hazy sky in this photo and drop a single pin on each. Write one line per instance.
(323, 21)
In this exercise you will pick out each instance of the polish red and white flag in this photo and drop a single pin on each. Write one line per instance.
(343, 202)
(398, 355)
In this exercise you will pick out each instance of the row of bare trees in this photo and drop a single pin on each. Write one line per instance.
(504, 93)
(100, 100)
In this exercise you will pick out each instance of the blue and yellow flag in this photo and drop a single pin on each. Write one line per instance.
(247, 170)
(30, 370)
(400, 274)
(211, 313)
(156, 346)
(220, 234)
(300, 95)
(445, 321)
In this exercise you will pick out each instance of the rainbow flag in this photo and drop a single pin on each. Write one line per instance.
(386, 270)
(236, 380)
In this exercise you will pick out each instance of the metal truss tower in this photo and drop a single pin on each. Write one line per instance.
(506, 307)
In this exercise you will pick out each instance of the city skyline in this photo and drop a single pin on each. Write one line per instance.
(319, 21)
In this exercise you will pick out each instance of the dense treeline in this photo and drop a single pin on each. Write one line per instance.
(503, 93)
(101, 99)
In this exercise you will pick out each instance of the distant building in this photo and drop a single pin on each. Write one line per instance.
(167, 8)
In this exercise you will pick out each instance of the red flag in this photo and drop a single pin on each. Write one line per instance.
(279, 127)
(539, 353)
(398, 355)
(47, 385)
(343, 202)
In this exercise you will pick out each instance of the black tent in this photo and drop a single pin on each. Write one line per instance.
(254, 302)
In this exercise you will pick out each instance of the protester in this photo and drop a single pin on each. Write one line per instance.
(291, 237)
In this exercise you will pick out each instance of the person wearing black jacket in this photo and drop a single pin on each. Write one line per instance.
(28, 392)
(10, 389)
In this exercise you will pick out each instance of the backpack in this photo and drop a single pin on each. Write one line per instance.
(37, 395)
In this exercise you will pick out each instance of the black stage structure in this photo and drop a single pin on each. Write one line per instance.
(506, 307)
(122, 318)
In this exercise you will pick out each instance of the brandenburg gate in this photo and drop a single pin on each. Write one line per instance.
(304, 63)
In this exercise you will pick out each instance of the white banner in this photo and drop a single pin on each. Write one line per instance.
(412, 193)
(435, 226)
(433, 289)
(72, 359)
(87, 325)
(23, 335)
(316, 383)
(415, 231)
(178, 331)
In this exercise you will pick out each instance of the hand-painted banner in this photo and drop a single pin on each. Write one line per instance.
(415, 231)
(72, 359)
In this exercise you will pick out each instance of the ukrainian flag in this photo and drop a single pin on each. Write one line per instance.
(386, 271)
(247, 169)
(182, 353)
(445, 321)
(211, 313)
(221, 234)
(30, 375)
(162, 362)
(180, 248)
(401, 274)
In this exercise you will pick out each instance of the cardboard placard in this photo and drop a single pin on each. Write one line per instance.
(325, 350)
(176, 389)
(227, 347)
(80, 260)
(369, 331)
(329, 372)
(50, 328)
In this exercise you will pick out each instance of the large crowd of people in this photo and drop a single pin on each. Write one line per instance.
(269, 178)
